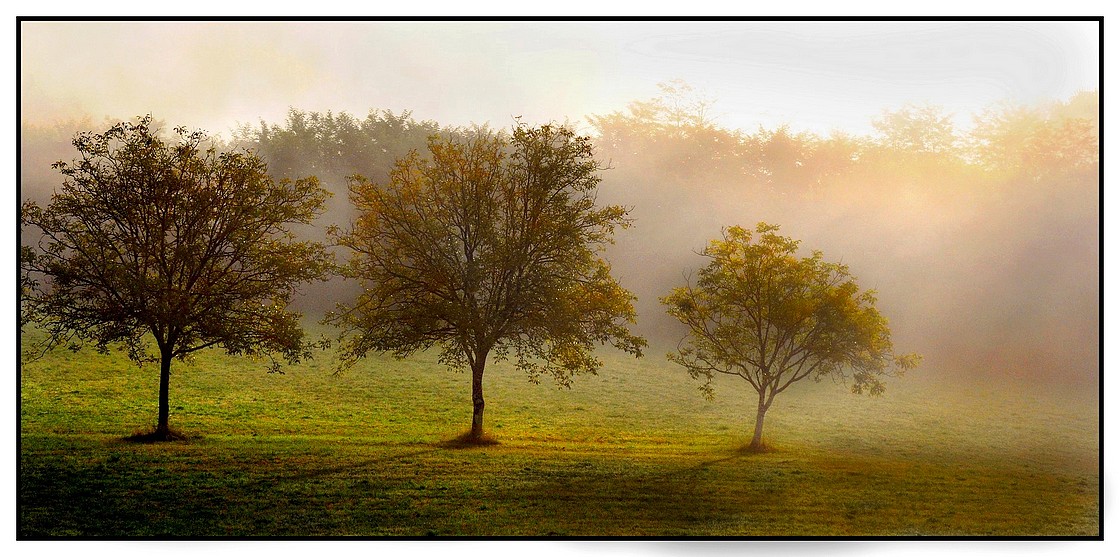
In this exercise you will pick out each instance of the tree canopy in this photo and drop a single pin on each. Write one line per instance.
(760, 313)
(489, 247)
(173, 240)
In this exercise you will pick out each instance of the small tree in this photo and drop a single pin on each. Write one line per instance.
(488, 248)
(182, 243)
(760, 313)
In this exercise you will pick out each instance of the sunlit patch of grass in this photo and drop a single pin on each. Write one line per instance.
(634, 450)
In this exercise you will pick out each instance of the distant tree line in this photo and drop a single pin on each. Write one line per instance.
(959, 228)
(674, 135)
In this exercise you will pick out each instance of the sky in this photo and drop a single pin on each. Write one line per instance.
(813, 75)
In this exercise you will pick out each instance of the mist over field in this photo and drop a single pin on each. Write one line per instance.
(956, 172)
(984, 250)
(990, 271)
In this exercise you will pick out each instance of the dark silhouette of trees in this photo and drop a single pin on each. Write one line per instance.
(760, 313)
(334, 146)
(173, 240)
(489, 249)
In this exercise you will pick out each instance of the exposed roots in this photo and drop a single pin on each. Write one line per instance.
(157, 436)
(466, 441)
(762, 447)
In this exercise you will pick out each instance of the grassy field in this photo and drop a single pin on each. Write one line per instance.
(633, 451)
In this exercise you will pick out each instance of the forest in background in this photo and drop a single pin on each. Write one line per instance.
(983, 243)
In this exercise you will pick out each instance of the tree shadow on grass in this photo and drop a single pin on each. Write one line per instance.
(367, 464)
(184, 491)
(763, 448)
(155, 436)
(696, 499)
(464, 441)
(468, 441)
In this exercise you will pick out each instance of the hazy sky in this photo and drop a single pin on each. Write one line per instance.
(814, 75)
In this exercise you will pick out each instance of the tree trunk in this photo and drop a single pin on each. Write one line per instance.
(756, 441)
(162, 428)
(477, 367)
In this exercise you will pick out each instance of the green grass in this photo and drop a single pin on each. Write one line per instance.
(633, 451)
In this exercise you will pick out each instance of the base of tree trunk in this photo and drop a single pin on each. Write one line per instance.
(468, 439)
(157, 435)
(761, 447)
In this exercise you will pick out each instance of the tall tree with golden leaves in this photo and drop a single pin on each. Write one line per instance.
(490, 249)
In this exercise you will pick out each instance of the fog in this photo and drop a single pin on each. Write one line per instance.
(952, 166)
(814, 75)
(991, 272)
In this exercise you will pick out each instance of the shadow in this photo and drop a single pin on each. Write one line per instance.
(763, 448)
(467, 441)
(699, 499)
(148, 437)
(356, 466)
(697, 468)
(191, 496)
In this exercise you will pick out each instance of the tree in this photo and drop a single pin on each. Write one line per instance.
(673, 134)
(1038, 142)
(760, 313)
(185, 244)
(918, 130)
(489, 248)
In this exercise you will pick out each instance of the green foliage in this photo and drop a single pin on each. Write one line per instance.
(760, 313)
(490, 245)
(185, 244)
